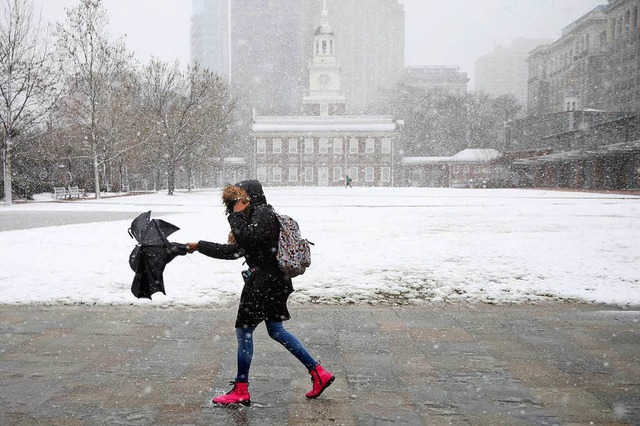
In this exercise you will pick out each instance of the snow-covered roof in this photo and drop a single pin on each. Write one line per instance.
(309, 124)
(584, 153)
(424, 160)
(476, 155)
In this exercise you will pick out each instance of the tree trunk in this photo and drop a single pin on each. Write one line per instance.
(171, 179)
(8, 198)
(96, 173)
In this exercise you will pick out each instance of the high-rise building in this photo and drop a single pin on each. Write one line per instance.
(264, 48)
(206, 39)
(504, 71)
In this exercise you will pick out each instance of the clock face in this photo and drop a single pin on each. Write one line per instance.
(324, 79)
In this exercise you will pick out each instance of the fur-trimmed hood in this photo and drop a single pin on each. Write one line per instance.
(247, 189)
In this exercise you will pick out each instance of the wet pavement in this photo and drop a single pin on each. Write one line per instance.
(15, 220)
(562, 364)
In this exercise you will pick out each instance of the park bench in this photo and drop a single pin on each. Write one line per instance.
(74, 191)
(59, 192)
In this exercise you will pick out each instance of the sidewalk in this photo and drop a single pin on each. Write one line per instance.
(432, 365)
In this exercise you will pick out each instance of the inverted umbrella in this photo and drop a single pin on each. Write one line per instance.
(149, 258)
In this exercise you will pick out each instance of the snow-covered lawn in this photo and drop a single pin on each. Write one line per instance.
(372, 245)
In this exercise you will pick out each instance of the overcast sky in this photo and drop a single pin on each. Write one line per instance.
(451, 32)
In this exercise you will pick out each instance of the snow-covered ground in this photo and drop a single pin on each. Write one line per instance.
(372, 245)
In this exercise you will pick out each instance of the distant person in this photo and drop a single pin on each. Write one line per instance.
(347, 182)
(254, 235)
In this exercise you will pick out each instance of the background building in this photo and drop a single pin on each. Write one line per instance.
(594, 65)
(447, 78)
(569, 74)
(504, 71)
(623, 56)
(264, 50)
(323, 147)
(207, 39)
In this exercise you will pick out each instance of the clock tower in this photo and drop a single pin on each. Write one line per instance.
(324, 97)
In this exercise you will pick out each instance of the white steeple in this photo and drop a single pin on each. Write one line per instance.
(324, 71)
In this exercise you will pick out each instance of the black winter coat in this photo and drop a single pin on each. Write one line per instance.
(265, 292)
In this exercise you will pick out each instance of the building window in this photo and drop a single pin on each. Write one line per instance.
(293, 146)
(353, 173)
(308, 174)
(368, 174)
(308, 146)
(324, 146)
(324, 47)
(370, 146)
(293, 173)
(620, 26)
(317, 47)
(386, 145)
(277, 146)
(261, 146)
(353, 146)
(337, 173)
(276, 174)
(261, 174)
(386, 174)
(331, 47)
(337, 146)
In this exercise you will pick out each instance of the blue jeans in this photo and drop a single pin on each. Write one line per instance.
(279, 334)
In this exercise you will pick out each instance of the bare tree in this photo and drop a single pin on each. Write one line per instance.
(92, 65)
(26, 86)
(190, 109)
(124, 129)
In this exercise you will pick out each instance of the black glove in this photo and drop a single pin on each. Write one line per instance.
(179, 249)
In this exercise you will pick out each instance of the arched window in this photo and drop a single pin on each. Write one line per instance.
(330, 47)
(317, 47)
(324, 47)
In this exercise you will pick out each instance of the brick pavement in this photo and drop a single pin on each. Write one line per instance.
(479, 365)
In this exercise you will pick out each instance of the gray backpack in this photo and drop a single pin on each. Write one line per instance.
(294, 252)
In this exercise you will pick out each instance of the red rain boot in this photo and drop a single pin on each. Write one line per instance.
(321, 380)
(238, 395)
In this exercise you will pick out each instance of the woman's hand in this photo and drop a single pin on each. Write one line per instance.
(240, 205)
(191, 247)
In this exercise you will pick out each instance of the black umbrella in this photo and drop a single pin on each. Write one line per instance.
(152, 253)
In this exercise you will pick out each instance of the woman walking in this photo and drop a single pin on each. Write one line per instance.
(254, 236)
